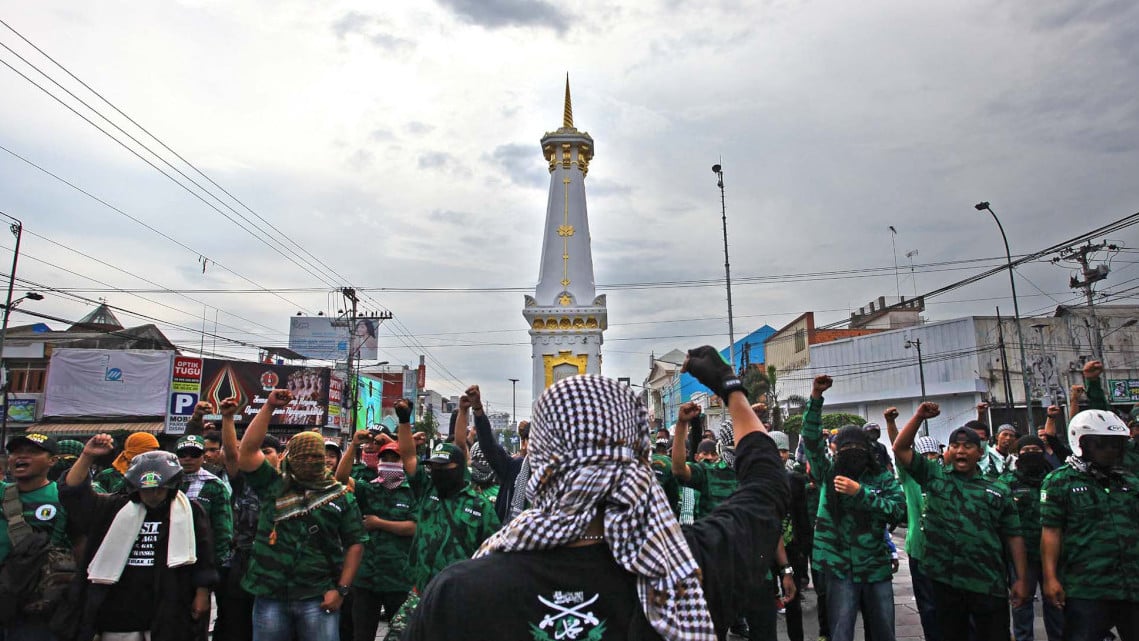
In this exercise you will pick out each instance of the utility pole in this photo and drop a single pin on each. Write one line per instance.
(514, 401)
(719, 171)
(1092, 275)
(1004, 362)
(921, 374)
(17, 229)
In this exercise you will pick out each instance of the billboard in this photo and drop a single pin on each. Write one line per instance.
(318, 338)
(104, 383)
(335, 401)
(250, 383)
(185, 390)
(1123, 391)
(377, 394)
(22, 410)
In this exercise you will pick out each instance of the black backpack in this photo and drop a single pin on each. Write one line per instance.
(35, 577)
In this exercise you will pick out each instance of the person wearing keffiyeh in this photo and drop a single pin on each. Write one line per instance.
(309, 535)
(598, 554)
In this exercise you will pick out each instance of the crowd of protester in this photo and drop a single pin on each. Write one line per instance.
(597, 528)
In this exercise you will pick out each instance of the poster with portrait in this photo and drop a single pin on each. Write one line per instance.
(328, 339)
(251, 383)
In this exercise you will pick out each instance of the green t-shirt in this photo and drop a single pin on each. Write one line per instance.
(915, 511)
(384, 568)
(447, 530)
(301, 557)
(967, 519)
(1099, 527)
(43, 512)
(848, 529)
(662, 469)
(1026, 498)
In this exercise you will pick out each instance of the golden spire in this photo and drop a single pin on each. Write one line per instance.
(567, 118)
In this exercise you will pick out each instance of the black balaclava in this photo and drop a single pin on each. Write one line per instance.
(851, 462)
(447, 482)
(1031, 466)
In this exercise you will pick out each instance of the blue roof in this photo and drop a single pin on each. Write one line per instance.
(755, 354)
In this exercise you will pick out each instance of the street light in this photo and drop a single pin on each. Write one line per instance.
(984, 206)
(719, 171)
(514, 399)
(916, 343)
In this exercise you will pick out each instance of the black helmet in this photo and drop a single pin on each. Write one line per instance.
(151, 470)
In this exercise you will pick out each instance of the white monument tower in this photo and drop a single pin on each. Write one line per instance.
(565, 314)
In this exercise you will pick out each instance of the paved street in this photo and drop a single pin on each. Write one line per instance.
(908, 625)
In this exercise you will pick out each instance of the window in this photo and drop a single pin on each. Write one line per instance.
(27, 377)
(800, 340)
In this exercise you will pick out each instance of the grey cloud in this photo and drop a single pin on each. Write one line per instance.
(495, 14)
(443, 161)
(361, 159)
(603, 187)
(419, 128)
(381, 135)
(353, 23)
(523, 163)
(1057, 15)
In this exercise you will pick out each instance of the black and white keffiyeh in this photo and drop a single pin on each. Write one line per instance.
(590, 450)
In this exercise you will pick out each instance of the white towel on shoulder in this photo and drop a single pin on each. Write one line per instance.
(107, 565)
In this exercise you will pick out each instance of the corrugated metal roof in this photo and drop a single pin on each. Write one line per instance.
(95, 428)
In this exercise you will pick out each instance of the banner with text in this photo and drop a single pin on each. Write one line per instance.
(317, 337)
(185, 391)
(250, 383)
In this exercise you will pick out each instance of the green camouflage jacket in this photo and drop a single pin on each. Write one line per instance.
(109, 481)
(298, 558)
(1026, 498)
(715, 482)
(214, 496)
(967, 519)
(1099, 526)
(384, 568)
(848, 532)
(447, 530)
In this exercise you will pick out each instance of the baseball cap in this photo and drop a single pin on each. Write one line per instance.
(42, 441)
(390, 447)
(191, 441)
(662, 442)
(333, 443)
(447, 453)
(965, 435)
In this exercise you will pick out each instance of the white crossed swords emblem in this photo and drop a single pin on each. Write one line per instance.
(563, 612)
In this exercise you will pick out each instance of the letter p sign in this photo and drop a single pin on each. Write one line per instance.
(182, 403)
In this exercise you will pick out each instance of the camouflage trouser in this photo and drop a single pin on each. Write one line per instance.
(399, 621)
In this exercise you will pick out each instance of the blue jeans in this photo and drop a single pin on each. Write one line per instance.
(1088, 620)
(845, 599)
(923, 594)
(1022, 617)
(275, 620)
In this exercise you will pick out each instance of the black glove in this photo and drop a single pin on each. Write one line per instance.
(403, 413)
(706, 364)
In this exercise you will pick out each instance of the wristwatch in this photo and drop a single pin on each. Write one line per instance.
(787, 570)
(343, 590)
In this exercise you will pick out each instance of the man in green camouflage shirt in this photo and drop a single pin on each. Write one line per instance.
(388, 506)
(309, 535)
(857, 499)
(969, 519)
(711, 477)
(1025, 475)
(1089, 511)
(208, 490)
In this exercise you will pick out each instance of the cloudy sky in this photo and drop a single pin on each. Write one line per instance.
(395, 145)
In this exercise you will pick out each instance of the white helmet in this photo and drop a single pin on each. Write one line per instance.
(1094, 423)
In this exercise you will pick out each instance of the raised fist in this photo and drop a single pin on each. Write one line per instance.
(1092, 369)
(464, 403)
(982, 407)
(203, 407)
(687, 412)
(228, 407)
(402, 410)
(361, 437)
(475, 397)
(891, 414)
(99, 445)
(709, 367)
(1054, 411)
(279, 398)
(1077, 390)
(928, 409)
(822, 384)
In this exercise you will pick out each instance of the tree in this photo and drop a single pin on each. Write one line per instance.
(836, 421)
(428, 424)
(761, 386)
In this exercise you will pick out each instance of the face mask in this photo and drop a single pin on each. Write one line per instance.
(390, 475)
(371, 460)
(447, 482)
(307, 471)
(1032, 464)
(851, 463)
